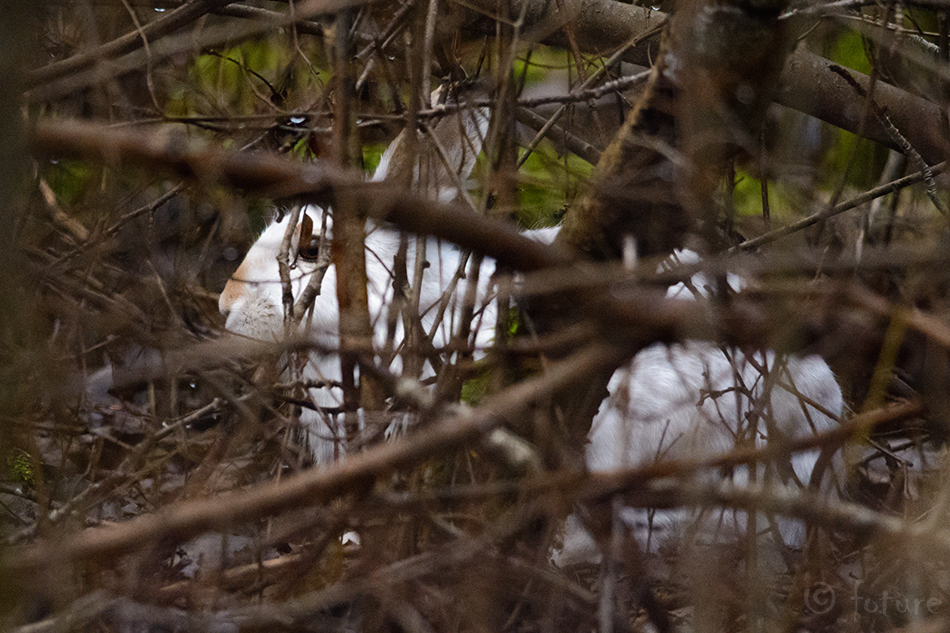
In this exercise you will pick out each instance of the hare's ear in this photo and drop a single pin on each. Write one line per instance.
(459, 136)
(448, 149)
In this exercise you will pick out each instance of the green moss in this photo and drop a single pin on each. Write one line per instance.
(371, 156)
(475, 389)
(849, 51)
(21, 466)
(784, 204)
(243, 78)
(857, 161)
(548, 184)
(70, 179)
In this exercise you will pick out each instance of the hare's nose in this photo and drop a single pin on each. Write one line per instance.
(230, 294)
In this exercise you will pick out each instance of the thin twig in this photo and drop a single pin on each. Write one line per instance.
(184, 520)
(530, 147)
(167, 23)
(841, 207)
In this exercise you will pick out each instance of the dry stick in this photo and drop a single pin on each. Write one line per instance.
(384, 39)
(277, 176)
(314, 285)
(608, 87)
(378, 46)
(189, 518)
(125, 472)
(811, 507)
(149, 78)
(283, 265)
(76, 229)
(448, 556)
(171, 22)
(421, 244)
(167, 23)
(349, 229)
(929, 326)
(241, 577)
(260, 172)
(905, 146)
(301, 610)
(807, 84)
(450, 169)
(167, 47)
(115, 228)
(841, 207)
(425, 69)
(889, 32)
(605, 88)
(585, 86)
(307, 27)
(441, 109)
(663, 485)
(663, 492)
(648, 311)
(601, 486)
(149, 208)
(829, 8)
(77, 614)
(559, 135)
(184, 520)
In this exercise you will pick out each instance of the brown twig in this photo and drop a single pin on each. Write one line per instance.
(841, 207)
(181, 521)
(167, 23)
(643, 310)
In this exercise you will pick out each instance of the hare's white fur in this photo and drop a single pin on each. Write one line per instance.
(252, 299)
(252, 302)
(696, 399)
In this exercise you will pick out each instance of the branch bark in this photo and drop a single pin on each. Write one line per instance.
(646, 311)
(806, 84)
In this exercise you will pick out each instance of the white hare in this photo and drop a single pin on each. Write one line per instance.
(252, 298)
(696, 399)
(690, 399)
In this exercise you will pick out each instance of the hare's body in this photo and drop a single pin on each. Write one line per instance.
(696, 399)
(252, 300)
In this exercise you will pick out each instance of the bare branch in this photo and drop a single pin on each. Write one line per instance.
(167, 23)
(181, 521)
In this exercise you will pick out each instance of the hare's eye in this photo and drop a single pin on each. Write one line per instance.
(311, 250)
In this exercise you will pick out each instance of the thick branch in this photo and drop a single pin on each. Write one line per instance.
(806, 83)
(809, 85)
(646, 311)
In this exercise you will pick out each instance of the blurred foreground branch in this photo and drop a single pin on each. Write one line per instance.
(645, 314)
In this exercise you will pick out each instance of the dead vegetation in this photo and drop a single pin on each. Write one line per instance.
(154, 473)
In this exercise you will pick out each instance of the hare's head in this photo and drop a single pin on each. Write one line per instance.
(253, 299)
